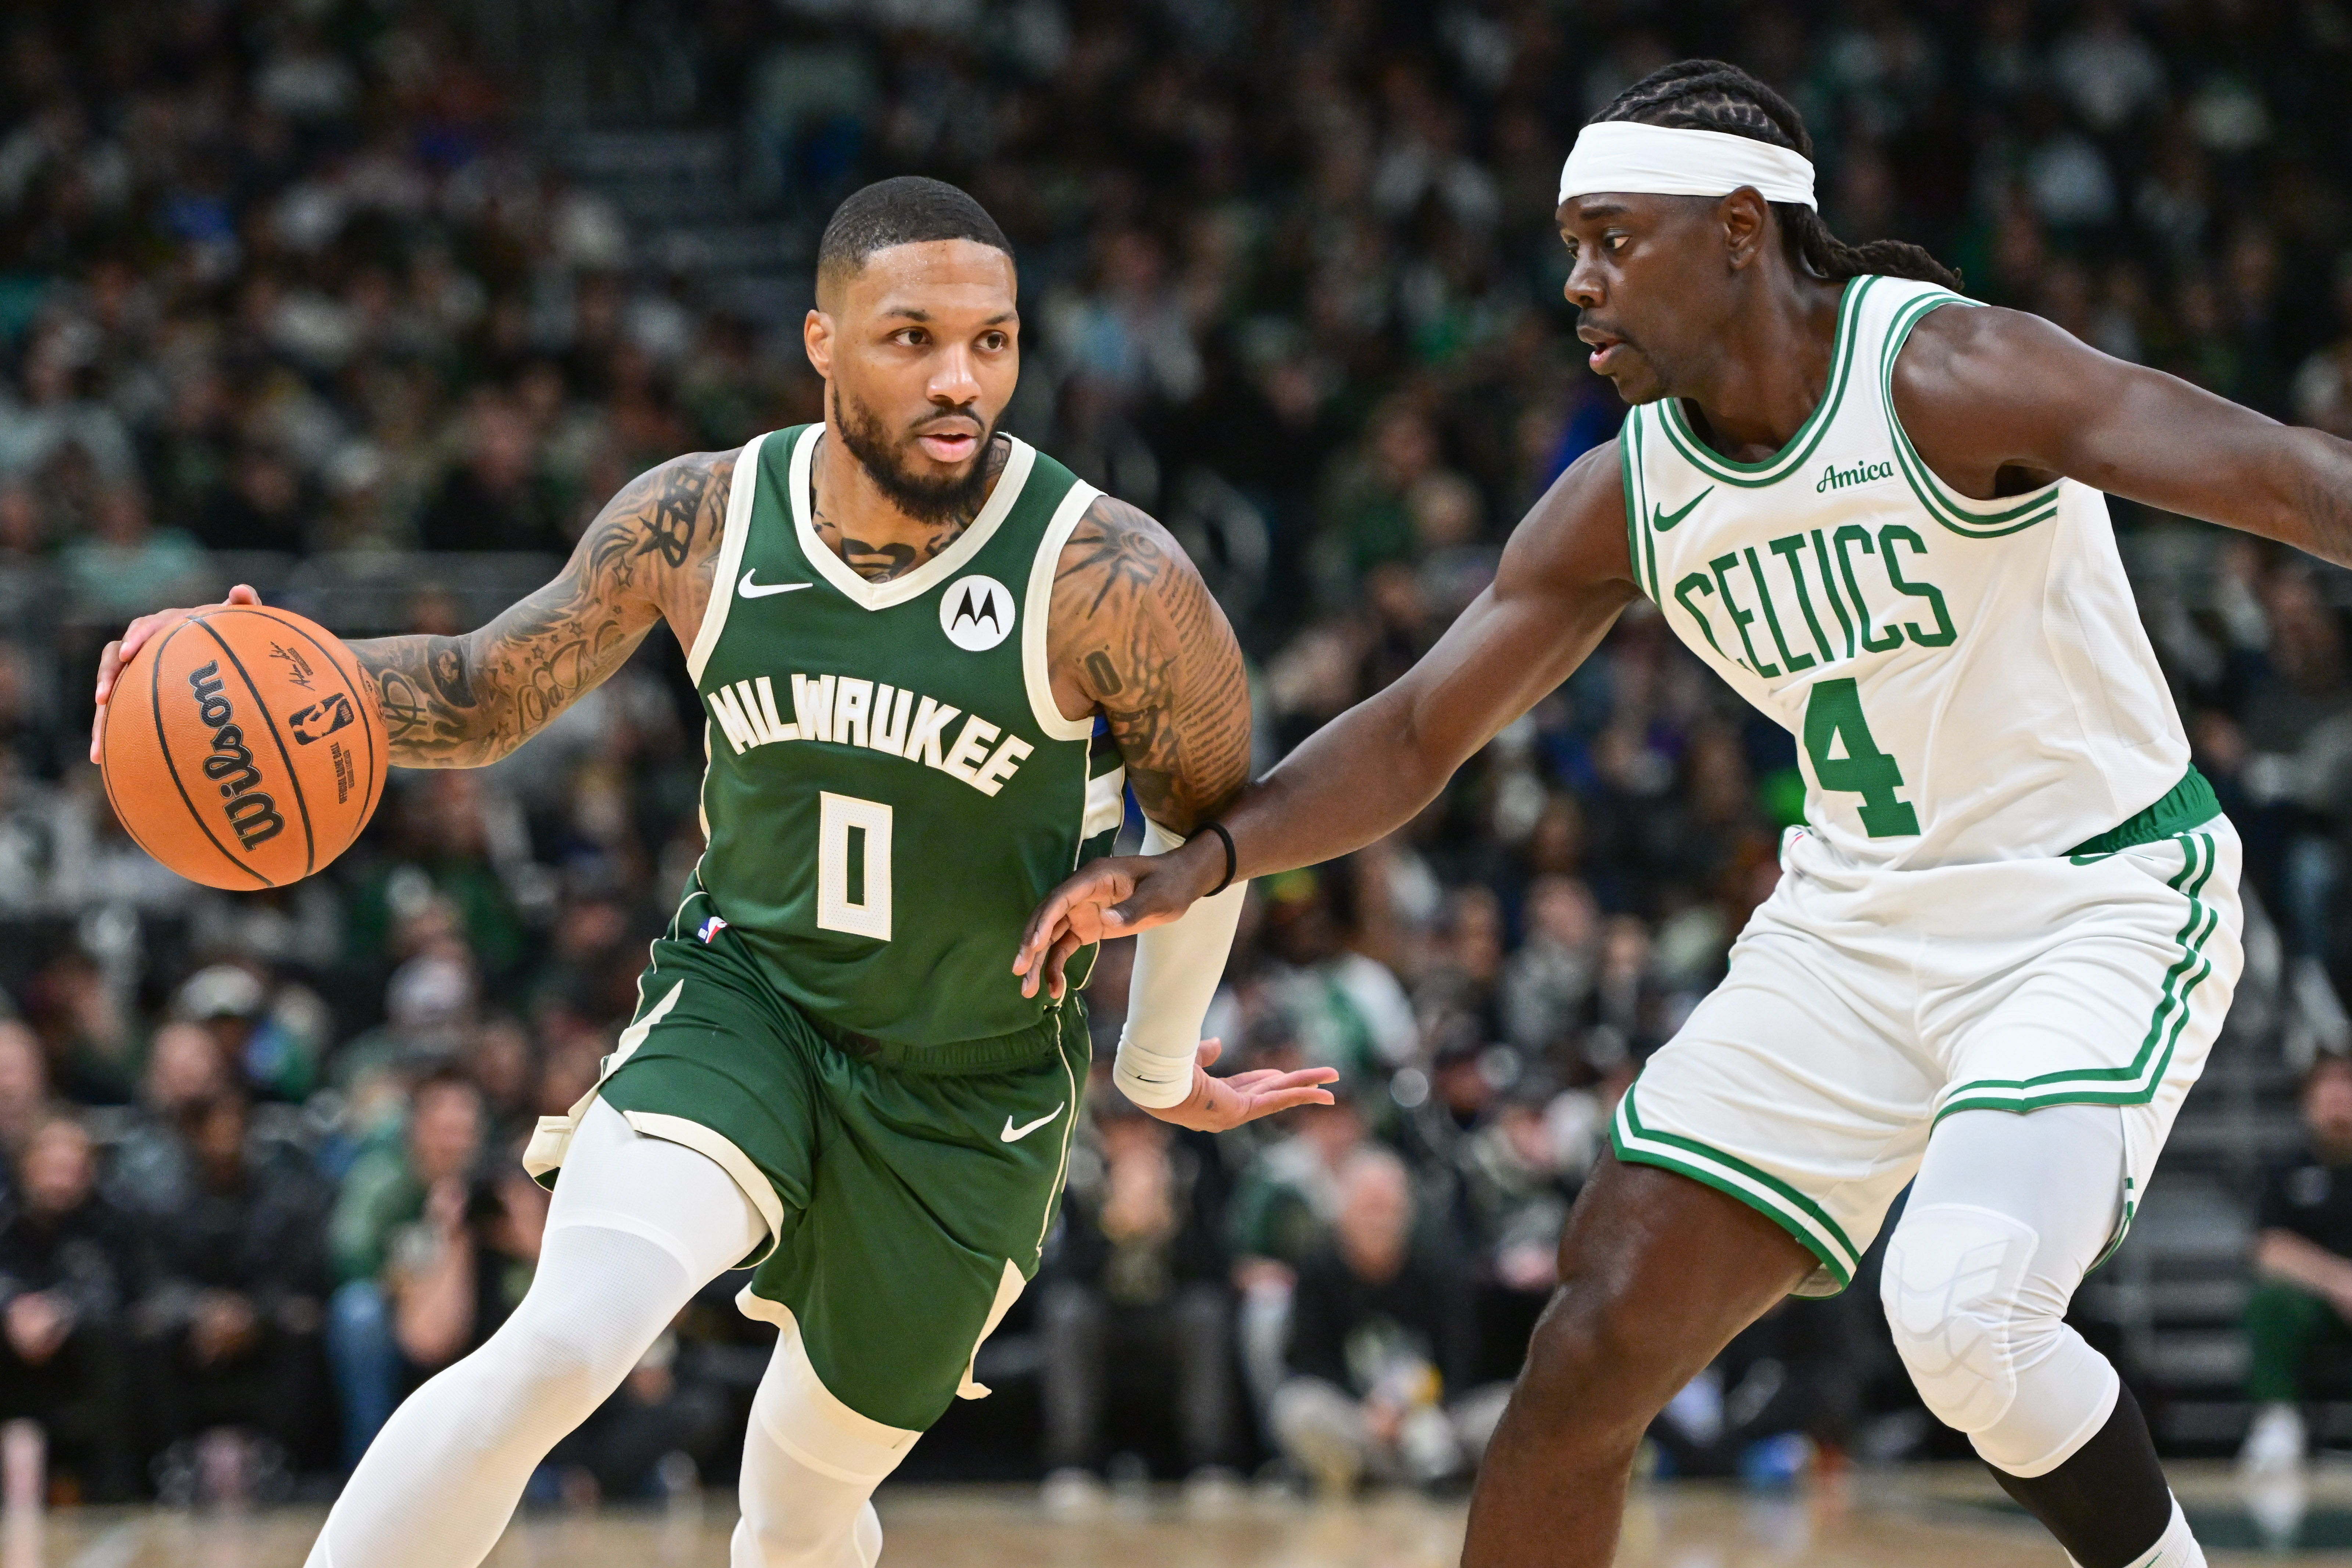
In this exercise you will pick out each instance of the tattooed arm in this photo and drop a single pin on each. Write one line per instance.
(1134, 634)
(461, 702)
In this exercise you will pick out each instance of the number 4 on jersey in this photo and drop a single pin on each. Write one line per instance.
(1846, 759)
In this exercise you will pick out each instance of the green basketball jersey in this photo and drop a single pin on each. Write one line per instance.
(891, 789)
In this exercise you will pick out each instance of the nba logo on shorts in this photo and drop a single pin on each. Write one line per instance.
(976, 612)
(711, 927)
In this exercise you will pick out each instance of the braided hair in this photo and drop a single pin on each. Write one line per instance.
(1710, 95)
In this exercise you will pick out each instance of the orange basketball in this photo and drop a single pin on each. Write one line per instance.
(242, 749)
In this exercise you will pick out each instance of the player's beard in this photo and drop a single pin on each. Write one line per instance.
(955, 498)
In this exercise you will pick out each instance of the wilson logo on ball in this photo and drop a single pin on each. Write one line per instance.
(252, 814)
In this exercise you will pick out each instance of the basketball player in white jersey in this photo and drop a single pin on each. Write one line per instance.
(2006, 936)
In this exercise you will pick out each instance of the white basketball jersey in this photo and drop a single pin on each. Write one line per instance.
(1968, 680)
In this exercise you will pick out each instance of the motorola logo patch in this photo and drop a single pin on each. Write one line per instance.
(976, 612)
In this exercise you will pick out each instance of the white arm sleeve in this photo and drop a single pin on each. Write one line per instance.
(1177, 968)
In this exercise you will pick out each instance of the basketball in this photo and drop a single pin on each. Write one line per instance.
(242, 749)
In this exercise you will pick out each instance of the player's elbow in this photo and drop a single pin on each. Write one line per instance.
(1428, 749)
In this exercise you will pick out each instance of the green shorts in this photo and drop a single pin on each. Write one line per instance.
(908, 1205)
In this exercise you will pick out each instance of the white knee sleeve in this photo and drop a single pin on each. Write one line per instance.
(2008, 1214)
(1972, 1334)
(810, 1466)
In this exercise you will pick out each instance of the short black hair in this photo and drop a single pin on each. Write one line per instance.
(907, 210)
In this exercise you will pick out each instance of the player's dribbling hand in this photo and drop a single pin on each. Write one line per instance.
(136, 637)
(1108, 898)
(1220, 1105)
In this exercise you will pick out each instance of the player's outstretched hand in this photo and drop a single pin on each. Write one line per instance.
(136, 637)
(1218, 1104)
(1105, 898)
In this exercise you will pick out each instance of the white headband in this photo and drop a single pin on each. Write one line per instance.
(1660, 160)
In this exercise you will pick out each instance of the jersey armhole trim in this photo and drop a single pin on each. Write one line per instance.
(1037, 603)
(1962, 514)
(738, 526)
(1629, 470)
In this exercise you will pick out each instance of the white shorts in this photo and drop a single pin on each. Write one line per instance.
(1862, 1005)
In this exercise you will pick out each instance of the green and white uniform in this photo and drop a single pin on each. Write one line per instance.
(2011, 889)
(831, 1015)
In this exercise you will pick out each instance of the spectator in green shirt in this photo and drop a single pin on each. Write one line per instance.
(385, 1192)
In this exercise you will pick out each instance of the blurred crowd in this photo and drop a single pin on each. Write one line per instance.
(309, 277)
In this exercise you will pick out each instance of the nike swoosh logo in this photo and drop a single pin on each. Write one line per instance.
(1662, 520)
(747, 589)
(1013, 1134)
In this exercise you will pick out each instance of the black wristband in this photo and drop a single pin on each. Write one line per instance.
(1231, 860)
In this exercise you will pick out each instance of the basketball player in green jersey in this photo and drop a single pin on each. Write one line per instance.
(933, 661)
(2006, 932)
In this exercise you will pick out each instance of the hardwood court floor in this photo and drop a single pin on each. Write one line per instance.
(1916, 1520)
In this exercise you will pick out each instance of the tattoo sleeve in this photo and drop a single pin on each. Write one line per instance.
(461, 702)
(1135, 629)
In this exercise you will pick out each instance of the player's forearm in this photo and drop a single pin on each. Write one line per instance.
(2277, 481)
(461, 702)
(1373, 768)
(1357, 779)
(466, 701)
(433, 715)
(2309, 494)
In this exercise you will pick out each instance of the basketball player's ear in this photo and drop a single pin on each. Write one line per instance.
(816, 337)
(1746, 222)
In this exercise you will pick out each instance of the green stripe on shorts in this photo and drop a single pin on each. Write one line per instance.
(2135, 1084)
(1800, 1216)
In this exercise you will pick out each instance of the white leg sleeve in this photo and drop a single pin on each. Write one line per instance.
(636, 1226)
(1177, 968)
(2008, 1214)
(810, 1467)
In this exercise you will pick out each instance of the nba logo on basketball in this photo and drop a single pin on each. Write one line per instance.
(320, 719)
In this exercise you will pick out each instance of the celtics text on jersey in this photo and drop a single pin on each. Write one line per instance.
(1968, 680)
(891, 787)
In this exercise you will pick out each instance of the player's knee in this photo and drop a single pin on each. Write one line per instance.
(560, 1362)
(1954, 1300)
(1592, 1363)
